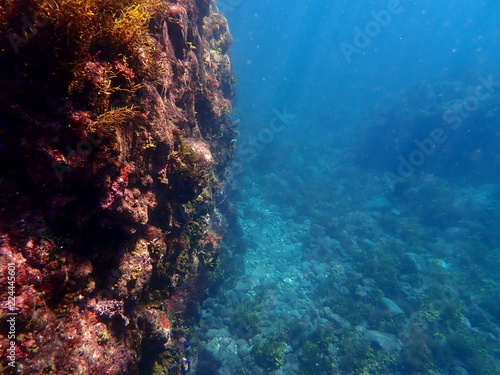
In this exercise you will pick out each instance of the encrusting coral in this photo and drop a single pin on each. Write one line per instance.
(114, 139)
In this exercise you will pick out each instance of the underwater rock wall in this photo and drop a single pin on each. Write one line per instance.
(114, 140)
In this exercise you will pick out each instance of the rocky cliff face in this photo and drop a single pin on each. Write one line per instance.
(114, 140)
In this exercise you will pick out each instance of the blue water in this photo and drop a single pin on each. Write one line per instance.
(365, 236)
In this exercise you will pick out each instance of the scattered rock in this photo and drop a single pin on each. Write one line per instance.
(378, 202)
(413, 263)
(341, 322)
(391, 306)
(389, 343)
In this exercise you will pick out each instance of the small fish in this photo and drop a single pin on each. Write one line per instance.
(185, 364)
(235, 123)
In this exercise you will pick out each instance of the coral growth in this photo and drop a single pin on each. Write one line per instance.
(112, 149)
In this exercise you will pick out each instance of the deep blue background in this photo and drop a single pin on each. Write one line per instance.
(287, 53)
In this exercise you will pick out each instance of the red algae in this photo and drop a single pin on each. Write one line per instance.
(112, 151)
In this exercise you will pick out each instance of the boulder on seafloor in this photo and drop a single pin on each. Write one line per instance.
(391, 306)
(413, 263)
(387, 342)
